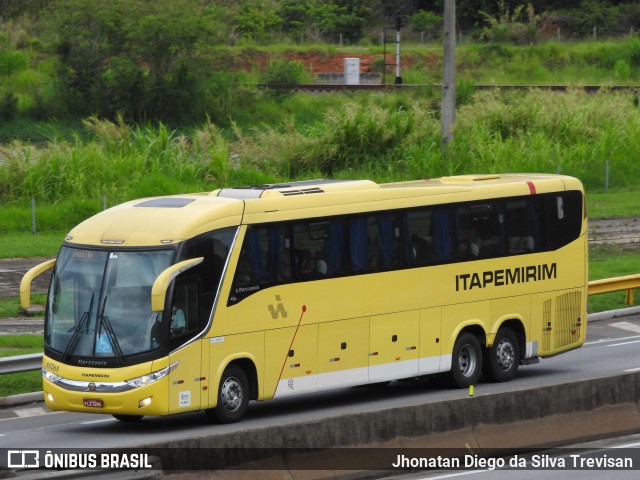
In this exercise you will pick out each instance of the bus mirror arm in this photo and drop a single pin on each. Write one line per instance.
(25, 283)
(161, 284)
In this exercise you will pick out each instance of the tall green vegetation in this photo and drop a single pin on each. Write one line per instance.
(391, 137)
(136, 58)
(175, 60)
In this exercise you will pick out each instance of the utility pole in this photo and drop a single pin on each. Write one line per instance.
(448, 112)
(400, 21)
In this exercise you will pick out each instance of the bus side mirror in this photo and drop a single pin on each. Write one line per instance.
(161, 284)
(25, 283)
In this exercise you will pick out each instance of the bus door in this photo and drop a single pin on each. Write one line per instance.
(394, 346)
(188, 381)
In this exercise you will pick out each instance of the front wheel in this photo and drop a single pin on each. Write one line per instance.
(233, 396)
(502, 359)
(466, 361)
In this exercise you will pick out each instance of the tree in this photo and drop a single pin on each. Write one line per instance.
(15, 8)
(323, 20)
(136, 58)
(257, 19)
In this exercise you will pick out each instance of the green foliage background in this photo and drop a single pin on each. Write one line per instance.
(135, 98)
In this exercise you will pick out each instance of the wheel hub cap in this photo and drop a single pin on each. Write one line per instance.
(231, 394)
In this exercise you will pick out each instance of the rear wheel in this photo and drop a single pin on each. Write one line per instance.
(128, 418)
(233, 396)
(502, 359)
(466, 361)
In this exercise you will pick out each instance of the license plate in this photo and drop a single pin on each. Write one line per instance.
(93, 402)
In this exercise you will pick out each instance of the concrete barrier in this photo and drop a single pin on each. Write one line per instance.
(485, 424)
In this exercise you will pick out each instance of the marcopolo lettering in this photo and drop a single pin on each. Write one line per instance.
(506, 276)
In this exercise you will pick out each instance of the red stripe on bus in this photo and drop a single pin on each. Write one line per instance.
(532, 188)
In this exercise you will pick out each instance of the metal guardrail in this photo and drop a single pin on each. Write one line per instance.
(616, 284)
(21, 363)
(26, 363)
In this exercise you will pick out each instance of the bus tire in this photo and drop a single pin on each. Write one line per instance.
(128, 418)
(502, 359)
(233, 396)
(466, 361)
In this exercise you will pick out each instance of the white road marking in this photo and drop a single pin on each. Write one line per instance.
(632, 369)
(44, 412)
(631, 327)
(30, 412)
(605, 340)
(98, 421)
(623, 343)
(628, 445)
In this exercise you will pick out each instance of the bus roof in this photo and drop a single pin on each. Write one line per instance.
(171, 219)
(157, 221)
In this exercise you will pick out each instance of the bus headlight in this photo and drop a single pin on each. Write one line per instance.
(151, 377)
(50, 376)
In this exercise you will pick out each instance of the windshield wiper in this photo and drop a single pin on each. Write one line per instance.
(75, 338)
(103, 322)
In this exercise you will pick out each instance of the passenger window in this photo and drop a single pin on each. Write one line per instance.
(427, 234)
(374, 242)
(310, 242)
(479, 231)
(265, 259)
(564, 217)
(421, 249)
(522, 226)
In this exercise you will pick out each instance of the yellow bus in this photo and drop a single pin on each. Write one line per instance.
(206, 301)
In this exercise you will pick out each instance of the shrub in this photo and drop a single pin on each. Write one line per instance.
(12, 61)
(8, 106)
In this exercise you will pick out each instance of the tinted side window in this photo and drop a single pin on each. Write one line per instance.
(265, 259)
(185, 312)
(480, 230)
(374, 242)
(214, 248)
(427, 233)
(564, 217)
(524, 225)
(319, 248)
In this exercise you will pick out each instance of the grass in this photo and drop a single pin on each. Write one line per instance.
(16, 383)
(619, 204)
(381, 137)
(29, 245)
(10, 306)
(21, 343)
(24, 382)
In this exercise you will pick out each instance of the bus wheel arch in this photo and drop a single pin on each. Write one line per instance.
(466, 357)
(252, 375)
(502, 359)
(238, 385)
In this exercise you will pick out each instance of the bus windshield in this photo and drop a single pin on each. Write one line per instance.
(99, 303)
